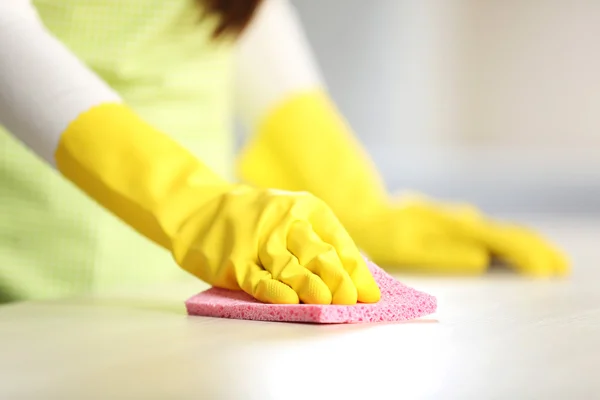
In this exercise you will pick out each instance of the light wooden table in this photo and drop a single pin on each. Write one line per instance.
(496, 337)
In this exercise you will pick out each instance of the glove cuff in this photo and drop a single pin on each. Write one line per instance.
(133, 170)
(304, 144)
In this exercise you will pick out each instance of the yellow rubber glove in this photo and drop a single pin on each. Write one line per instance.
(304, 144)
(431, 237)
(279, 247)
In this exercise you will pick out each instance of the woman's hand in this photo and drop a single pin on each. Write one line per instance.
(432, 237)
(279, 247)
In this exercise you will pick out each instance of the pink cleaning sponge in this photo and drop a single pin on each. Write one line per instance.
(398, 303)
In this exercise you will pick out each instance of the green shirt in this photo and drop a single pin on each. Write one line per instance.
(159, 56)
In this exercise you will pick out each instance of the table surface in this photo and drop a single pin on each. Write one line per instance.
(495, 337)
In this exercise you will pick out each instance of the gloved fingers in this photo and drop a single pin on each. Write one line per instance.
(521, 248)
(284, 267)
(525, 251)
(534, 265)
(562, 265)
(322, 259)
(327, 226)
(259, 284)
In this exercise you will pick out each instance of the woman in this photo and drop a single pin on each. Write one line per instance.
(118, 161)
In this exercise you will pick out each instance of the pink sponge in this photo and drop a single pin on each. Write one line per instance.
(398, 303)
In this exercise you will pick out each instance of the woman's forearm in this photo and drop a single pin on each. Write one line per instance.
(299, 139)
(56, 106)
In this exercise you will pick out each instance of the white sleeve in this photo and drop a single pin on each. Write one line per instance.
(43, 86)
(273, 61)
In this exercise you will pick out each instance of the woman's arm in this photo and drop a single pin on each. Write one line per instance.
(298, 138)
(68, 116)
(43, 86)
(300, 141)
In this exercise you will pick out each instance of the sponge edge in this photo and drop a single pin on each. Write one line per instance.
(398, 303)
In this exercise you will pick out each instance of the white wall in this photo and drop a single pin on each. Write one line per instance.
(535, 72)
(496, 102)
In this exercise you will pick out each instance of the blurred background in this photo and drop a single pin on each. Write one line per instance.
(495, 102)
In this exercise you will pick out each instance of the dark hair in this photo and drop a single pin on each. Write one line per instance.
(234, 15)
